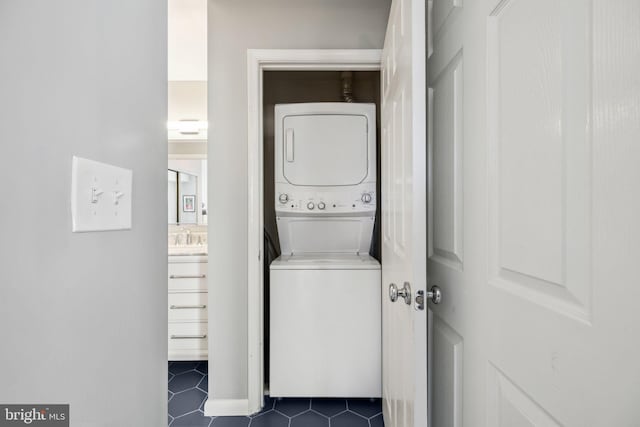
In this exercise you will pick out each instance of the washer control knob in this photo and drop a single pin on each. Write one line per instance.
(310, 206)
(284, 198)
(321, 206)
(366, 198)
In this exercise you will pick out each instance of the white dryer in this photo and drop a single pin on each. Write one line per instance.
(325, 294)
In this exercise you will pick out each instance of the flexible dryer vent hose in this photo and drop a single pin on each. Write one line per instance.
(347, 87)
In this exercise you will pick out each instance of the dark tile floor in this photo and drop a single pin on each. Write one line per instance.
(188, 392)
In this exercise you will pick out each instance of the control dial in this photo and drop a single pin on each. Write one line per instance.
(321, 206)
(283, 198)
(310, 206)
(366, 198)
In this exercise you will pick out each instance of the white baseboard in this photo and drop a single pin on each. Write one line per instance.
(226, 407)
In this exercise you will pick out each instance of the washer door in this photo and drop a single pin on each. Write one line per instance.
(303, 235)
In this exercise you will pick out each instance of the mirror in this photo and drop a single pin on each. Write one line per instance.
(184, 198)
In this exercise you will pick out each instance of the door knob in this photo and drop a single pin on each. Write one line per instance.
(404, 292)
(435, 294)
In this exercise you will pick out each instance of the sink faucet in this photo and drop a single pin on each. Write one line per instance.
(188, 237)
(177, 242)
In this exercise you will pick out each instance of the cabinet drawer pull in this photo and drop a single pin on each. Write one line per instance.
(197, 276)
(188, 337)
(180, 307)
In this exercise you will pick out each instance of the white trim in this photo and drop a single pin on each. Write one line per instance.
(259, 60)
(226, 407)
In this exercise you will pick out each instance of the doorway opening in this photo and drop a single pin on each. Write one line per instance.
(285, 76)
(187, 246)
(289, 87)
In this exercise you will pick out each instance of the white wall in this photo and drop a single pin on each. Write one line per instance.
(235, 26)
(83, 315)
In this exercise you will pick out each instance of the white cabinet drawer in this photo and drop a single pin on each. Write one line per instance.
(188, 306)
(188, 341)
(188, 276)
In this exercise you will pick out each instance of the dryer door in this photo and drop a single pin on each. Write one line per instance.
(325, 150)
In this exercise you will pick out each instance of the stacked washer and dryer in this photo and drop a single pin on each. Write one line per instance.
(325, 298)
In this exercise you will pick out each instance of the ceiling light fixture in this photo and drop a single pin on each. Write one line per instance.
(188, 126)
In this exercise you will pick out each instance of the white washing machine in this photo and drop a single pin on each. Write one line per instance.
(325, 295)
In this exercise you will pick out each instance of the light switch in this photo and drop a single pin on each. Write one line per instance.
(100, 196)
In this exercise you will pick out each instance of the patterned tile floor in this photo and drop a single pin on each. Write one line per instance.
(188, 392)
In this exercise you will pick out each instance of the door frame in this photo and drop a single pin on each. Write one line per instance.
(259, 60)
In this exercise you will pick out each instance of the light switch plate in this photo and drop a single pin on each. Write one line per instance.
(101, 196)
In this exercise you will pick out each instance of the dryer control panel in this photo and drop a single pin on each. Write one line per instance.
(293, 200)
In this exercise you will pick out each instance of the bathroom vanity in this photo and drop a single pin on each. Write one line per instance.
(187, 307)
(187, 221)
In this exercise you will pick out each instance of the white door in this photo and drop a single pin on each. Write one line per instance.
(404, 329)
(534, 207)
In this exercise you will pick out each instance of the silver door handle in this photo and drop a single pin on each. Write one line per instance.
(180, 307)
(435, 294)
(405, 292)
(198, 276)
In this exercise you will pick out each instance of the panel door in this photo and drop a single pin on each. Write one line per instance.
(533, 212)
(404, 215)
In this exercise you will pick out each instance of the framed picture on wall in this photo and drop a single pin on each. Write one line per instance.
(189, 203)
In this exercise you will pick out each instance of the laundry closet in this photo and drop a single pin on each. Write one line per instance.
(321, 192)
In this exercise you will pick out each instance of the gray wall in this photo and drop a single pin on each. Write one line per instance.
(83, 315)
(234, 27)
